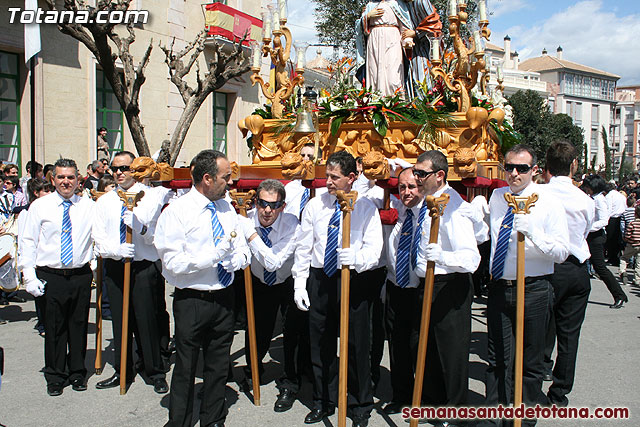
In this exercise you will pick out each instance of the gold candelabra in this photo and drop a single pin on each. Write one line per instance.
(470, 57)
(279, 54)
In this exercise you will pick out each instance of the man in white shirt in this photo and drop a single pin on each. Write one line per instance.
(272, 239)
(456, 257)
(617, 204)
(198, 238)
(317, 268)
(571, 284)
(146, 285)
(55, 254)
(297, 194)
(546, 243)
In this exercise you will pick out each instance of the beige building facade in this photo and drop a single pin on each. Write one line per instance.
(73, 99)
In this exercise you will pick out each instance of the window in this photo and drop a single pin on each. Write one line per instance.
(577, 114)
(595, 110)
(108, 113)
(9, 108)
(594, 141)
(220, 121)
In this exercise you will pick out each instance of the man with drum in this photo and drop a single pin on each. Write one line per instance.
(57, 248)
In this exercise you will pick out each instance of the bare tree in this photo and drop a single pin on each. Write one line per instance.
(99, 39)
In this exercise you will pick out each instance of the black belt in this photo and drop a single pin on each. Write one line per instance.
(595, 234)
(66, 272)
(194, 293)
(527, 280)
(573, 260)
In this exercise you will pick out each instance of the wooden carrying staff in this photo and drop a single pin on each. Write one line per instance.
(130, 201)
(436, 209)
(95, 195)
(519, 205)
(243, 201)
(347, 200)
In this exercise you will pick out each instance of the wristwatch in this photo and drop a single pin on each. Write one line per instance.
(144, 230)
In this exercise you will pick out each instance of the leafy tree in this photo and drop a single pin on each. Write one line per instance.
(607, 155)
(539, 127)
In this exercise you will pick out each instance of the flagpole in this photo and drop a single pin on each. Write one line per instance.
(32, 78)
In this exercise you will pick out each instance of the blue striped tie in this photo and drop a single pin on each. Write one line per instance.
(218, 233)
(418, 235)
(500, 254)
(331, 250)
(66, 243)
(269, 276)
(123, 226)
(303, 201)
(404, 250)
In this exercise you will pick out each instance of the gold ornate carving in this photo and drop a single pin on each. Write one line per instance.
(521, 204)
(145, 167)
(375, 165)
(294, 167)
(242, 200)
(130, 200)
(436, 205)
(464, 162)
(235, 171)
(347, 200)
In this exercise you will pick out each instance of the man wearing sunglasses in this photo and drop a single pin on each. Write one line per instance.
(298, 195)
(147, 284)
(456, 256)
(271, 235)
(546, 243)
(316, 274)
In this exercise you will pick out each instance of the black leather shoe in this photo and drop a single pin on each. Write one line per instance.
(617, 304)
(112, 382)
(547, 377)
(78, 385)
(393, 408)
(285, 400)
(217, 425)
(54, 389)
(160, 386)
(317, 415)
(360, 422)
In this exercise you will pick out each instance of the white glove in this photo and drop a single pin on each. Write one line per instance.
(126, 250)
(396, 163)
(217, 253)
(346, 256)
(131, 220)
(521, 224)
(35, 287)
(231, 263)
(248, 227)
(433, 252)
(301, 298)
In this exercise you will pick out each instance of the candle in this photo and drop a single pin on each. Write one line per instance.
(301, 53)
(266, 25)
(256, 53)
(453, 8)
(499, 72)
(482, 10)
(435, 49)
(276, 20)
(477, 41)
(282, 9)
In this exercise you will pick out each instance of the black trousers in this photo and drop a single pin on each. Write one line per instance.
(447, 363)
(143, 322)
(267, 301)
(41, 309)
(596, 241)
(324, 323)
(202, 320)
(501, 325)
(614, 241)
(571, 288)
(65, 324)
(162, 315)
(375, 279)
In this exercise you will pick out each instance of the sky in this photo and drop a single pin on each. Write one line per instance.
(603, 34)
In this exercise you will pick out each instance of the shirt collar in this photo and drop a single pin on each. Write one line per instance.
(74, 199)
(560, 180)
(200, 199)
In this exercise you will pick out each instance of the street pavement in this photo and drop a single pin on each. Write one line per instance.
(607, 375)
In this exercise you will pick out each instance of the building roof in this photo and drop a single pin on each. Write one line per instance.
(319, 62)
(549, 63)
(491, 46)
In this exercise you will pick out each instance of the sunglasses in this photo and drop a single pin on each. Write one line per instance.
(120, 168)
(273, 205)
(520, 168)
(420, 174)
(307, 155)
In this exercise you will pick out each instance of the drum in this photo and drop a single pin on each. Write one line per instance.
(8, 262)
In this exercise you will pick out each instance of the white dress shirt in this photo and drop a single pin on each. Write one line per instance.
(366, 235)
(106, 229)
(279, 257)
(184, 237)
(617, 203)
(368, 188)
(601, 218)
(580, 210)
(456, 237)
(294, 191)
(392, 238)
(41, 239)
(551, 233)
